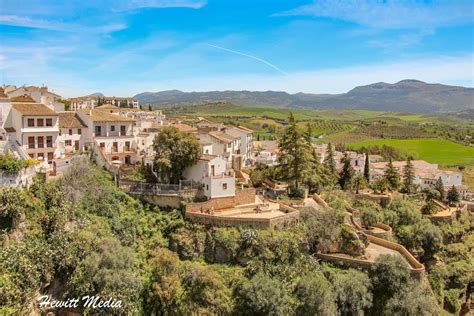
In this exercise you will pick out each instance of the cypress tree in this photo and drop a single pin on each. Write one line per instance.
(453, 196)
(367, 168)
(392, 176)
(347, 173)
(329, 161)
(439, 186)
(296, 156)
(408, 176)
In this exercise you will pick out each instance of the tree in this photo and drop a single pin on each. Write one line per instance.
(453, 196)
(322, 230)
(358, 182)
(174, 151)
(294, 162)
(316, 296)
(108, 272)
(380, 185)
(150, 108)
(370, 217)
(439, 186)
(329, 161)
(367, 168)
(412, 300)
(263, 295)
(388, 276)
(347, 172)
(392, 176)
(352, 289)
(408, 177)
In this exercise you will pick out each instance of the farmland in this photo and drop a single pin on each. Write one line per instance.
(435, 150)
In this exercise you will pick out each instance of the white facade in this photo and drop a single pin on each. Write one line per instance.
(37, 134)
(112, 133)
(246, 141)
(212, 172)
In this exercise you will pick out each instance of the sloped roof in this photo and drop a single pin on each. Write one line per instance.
(23, 98)
(34, 109)
(70, 120)
(221, 136)
(102, 116)
(107, 107)
(2, 94)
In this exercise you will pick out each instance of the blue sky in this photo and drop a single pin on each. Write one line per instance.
(322, 46)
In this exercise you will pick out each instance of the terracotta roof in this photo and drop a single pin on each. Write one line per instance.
(23, 98)
(2, 94)
(107, 107)
(245, 129)
(102, 116)
(401, 164)
(204, 142)
(234, 135)
(207, 157)
(221, 136)
(33, 109)
(183, 127)
(70, 120)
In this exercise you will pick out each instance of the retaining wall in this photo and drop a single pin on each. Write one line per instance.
(285, 220)
(242, 196)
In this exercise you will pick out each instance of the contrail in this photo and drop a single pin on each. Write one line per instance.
(250, 56)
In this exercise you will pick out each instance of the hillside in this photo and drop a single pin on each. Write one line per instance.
(404, 96)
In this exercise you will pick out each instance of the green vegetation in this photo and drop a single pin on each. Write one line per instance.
(440, 151)
(174, 151)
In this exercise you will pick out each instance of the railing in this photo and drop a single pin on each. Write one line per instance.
(159, 188)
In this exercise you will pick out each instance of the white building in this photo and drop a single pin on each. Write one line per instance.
(426, 174)
(39, 95)
(35, 127)
(212, 172)
(112, 133)
(246, 141)
(72, 133)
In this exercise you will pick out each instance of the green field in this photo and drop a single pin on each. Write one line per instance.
(434, 150)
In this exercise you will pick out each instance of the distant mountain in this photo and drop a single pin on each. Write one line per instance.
(96, 94)
(404, 96)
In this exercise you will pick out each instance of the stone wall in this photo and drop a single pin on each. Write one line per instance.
(162, 200)
(290, 218)
(242, 196)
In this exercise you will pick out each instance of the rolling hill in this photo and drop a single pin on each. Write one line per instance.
(403, 96)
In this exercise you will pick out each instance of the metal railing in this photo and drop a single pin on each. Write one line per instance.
(184, 186)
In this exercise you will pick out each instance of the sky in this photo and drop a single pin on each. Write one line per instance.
(122, 48)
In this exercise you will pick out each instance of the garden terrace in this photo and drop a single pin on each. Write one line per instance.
(271, 215)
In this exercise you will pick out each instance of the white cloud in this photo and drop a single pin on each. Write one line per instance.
(24, 21)
(157, 4)
(390, 13)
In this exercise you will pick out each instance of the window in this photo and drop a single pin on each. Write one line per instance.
(49, 141)
(31, 122)
(229, 145)
(50, 156)
(41, 155)
(112, 128)
(40, 142)
(40, 122)
(79, 131)
(102, 145)
(49, 122)
(122, 130)
(224, 186)
(70, 131)
(31, 142)
(207, 187)
(68, 142)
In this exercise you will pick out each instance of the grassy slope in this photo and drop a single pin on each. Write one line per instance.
(441, 151)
